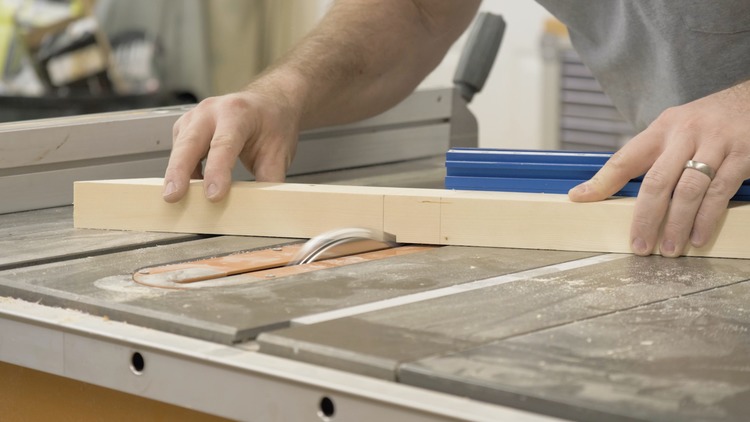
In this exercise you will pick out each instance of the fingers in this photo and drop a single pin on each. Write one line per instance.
(222, 129)
(676, 207)
(728, 180)
(683, 205)
(268, 169)
(629, 162)
(188, 148)
(232, 131)
(665, 182)
(688, 197)
(655, 194)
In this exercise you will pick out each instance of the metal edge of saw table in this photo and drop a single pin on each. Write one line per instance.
(42, 158)
(255, 386)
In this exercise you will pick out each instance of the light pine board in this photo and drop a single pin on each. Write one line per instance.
(430, 216)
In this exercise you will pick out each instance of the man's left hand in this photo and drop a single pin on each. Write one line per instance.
(676, 204)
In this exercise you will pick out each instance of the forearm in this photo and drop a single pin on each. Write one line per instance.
(365, 56)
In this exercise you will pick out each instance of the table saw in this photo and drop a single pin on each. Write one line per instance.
(444, 333)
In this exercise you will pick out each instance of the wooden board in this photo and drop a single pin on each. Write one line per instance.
(429, 216)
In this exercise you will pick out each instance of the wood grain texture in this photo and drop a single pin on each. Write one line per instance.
(257, 209)
(399, 212)
(430, 216)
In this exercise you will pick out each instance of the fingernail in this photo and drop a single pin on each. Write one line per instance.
(212, 190)
(696, 239)
(580, 189)
(169, 189)
(667, 247)
(639, 246)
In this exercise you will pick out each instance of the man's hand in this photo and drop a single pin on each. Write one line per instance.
(682, 205)
(258, 126)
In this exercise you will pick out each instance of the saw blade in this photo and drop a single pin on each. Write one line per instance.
(345, 241)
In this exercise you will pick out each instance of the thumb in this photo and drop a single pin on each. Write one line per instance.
(597, 188)
(633, 160)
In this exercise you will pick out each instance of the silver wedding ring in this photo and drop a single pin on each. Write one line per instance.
(701, 167)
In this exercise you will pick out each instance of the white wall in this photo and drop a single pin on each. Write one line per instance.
(510, 107)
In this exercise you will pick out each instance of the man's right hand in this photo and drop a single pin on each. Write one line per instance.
(257, 125)
(345, 70)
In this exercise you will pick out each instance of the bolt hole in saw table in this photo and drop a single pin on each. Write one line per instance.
(441, 333)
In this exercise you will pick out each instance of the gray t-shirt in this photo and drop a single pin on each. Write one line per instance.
(649, 55)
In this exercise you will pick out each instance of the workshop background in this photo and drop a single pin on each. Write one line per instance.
(68, 57)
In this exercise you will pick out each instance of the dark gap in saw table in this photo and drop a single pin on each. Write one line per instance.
(103, 251)
(623, 309)
(47, 236)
